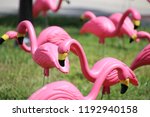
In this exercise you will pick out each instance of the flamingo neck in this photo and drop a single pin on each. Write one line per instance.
(135, 15)
(56, 7)
(89, 15)
(142, 34)
(100, 80)
(77, 49)
(26, 26)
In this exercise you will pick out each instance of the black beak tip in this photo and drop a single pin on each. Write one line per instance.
(124, 88)
(136, 27)
(62, 63)
(131, 40)
(68, 1)
(1, 40)
(81, 19)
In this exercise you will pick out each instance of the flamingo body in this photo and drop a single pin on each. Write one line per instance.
(143, 58)
(99, 26)
(44, 6)
(60, 90)
(115, 25)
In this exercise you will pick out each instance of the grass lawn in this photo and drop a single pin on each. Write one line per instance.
(20, 76)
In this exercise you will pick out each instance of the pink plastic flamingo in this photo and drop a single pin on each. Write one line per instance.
(45, 5)
(92, 74)
(143, 58)
(63, 90)
(43, 52)
(104, 27)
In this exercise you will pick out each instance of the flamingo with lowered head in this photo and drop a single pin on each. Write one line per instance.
(143, 58)
(93, 74)
(63, 90)
(104, 27)
(45, 5)
(43, 52)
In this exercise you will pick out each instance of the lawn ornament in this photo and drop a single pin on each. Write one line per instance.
(104, 27)
(93, 74)
(43, 52)
(63, 90)
(45, 5)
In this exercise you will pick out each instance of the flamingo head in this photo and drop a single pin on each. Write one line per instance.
(133, 38)
(4, 38)
(120, 73)
(47, 57)
(136, 17)
(136, 23)
(64, 49)
(129, 78)
(87, 15)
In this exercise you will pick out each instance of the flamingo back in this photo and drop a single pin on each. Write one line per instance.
(60, 90)
(99, 26)
(53, 34)
(143, 58)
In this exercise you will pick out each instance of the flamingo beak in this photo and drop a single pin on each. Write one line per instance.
(133, 38)
(68, 2)
(61, 59)
(4, 38)
(81, 18)
(20, 38)
(136, 23)
(124, 85)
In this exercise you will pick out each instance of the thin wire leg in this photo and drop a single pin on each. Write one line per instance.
(46, 20)
(43, 80)
(108, 96)
(48, 80)
(102, 96)
(103, 50)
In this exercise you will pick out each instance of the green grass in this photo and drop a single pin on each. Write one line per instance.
(20, 76)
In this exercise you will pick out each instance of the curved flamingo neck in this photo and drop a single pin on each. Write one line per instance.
(26, 26)
(135, 15)
(89, 15)
(143, 34)
(74, 46)
(100, 80)
(56, 7)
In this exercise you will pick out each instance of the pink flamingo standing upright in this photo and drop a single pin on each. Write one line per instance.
(45, 5)
(63, 90)
(143, 58)
(104, 27)
(43, 52)
(92, 74)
